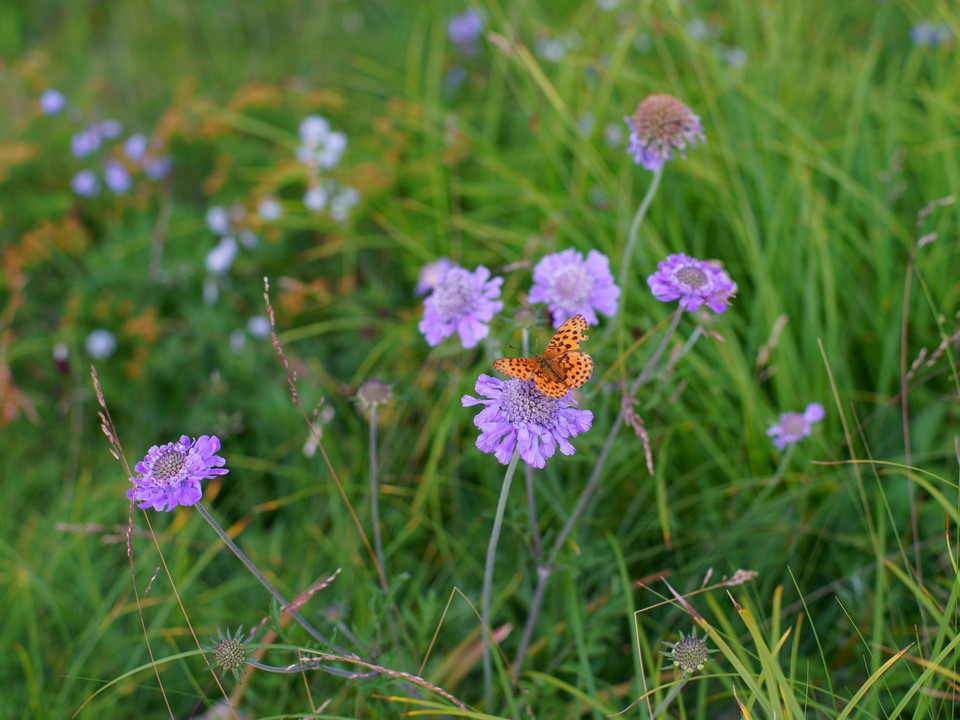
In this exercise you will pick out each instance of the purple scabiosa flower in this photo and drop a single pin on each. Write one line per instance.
(694, 282)
(259, 327)
(518, 415)
(221, 257)
(157, 168)
(461, 302)
(85, 184)
(109, 129)
(135, 146)
(794, 427)
(316, 198)
(101, 344)
(218, 220)
(568, 284)
(85, 142)
(269, 209)
(658, 125)
(430, 275)
(314, 130)
(52, 102)
(465, 30)
(925, 33)
(341, 203)
(170, 475)
(116, 177)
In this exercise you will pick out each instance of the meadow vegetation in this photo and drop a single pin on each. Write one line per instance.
(235, 212)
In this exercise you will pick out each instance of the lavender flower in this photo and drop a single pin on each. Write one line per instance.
(52, 102)
(694, 282)
(170, 475)
(465, 30)
(85, 184)
(135, 146)
(518, 415)
(85, 142)
(462, 302)
(108, 129)
(320, 147)
(658, 125)
(925, 33)
(101, 344)
(116, 177)
(342, 202)
(157, 168)
(316, 198)
(221, 257)
(570, 285)
(430, 275)
(218, 220)
(269, 209)
(793, 427)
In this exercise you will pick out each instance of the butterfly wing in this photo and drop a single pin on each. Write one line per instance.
(516, 367)
(576, 368)
(568, 337)
(548, 384)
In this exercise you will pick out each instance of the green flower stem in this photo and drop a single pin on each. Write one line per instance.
(681, 681)
(375, 493)
(627, 260)
(546, 569)
(635, 225)
(266, 583)
(777, 476)
(488, 578)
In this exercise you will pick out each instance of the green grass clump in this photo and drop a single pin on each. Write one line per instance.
(823, 189)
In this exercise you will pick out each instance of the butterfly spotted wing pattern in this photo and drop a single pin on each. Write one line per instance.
(561, 367)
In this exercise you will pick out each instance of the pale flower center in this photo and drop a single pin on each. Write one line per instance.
(454, 293)
(522, 402)
(169, 466)
(792, 425)
(571, 286)
(691, 277)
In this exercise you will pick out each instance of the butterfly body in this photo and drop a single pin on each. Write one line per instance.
(562, 366)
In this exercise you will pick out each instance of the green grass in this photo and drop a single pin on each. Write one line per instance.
(821, 151)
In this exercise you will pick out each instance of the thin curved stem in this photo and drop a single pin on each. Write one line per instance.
(286, 606)
(488, 578)
(634, 233)
(375, 492)
(545, 569)
(627, 260)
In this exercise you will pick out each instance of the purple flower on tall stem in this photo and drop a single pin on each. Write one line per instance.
(170, 475)
(568, 284)
(85, 184)
(52, 102)
(658, 125)
(430, 275)
(462, 302)
(465, 30)
(116, 176)
(517, 415)
(794, 427)
(694, 282)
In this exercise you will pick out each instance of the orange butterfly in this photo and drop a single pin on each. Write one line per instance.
(561, 367)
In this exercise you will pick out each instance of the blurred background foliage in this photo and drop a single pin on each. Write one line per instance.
(829, 128)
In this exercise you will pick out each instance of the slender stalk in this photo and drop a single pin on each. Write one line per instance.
(669, 698)
(375, 492)
(286, 606)
(488, 578)
(627, 260)
(544, 570)
(634, 233)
